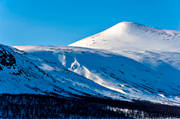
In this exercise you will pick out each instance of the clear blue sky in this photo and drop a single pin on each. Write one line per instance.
(61, 22)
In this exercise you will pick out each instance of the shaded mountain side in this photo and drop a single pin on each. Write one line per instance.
(6, 59)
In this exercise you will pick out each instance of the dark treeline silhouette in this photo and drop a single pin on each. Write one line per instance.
(43, 106)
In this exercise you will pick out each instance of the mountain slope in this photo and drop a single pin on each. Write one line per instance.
(105, 74)
(29, 75)
(132, 36)
(155, 48)
(151, 46)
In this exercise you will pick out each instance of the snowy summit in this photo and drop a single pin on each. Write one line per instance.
(133, 36)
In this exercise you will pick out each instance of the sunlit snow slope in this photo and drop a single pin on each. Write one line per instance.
(133, 36)
(102, 73)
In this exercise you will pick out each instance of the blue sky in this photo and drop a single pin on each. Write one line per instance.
(61, 22)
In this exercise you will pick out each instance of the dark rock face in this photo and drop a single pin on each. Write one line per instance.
(6, 59)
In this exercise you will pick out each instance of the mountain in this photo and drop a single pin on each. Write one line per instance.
(128, 62)
(132, 36)
(154, 48)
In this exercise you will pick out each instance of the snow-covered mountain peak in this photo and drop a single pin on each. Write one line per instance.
(127, 24)
(132, 36)
(124, 27)
(123, 24)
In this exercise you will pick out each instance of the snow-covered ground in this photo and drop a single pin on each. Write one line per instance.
(104, 74)
(128, 61)
(132, 36)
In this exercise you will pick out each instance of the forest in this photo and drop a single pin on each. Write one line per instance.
(44, 106)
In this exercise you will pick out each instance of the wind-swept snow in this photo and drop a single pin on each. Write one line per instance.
(121, 77)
